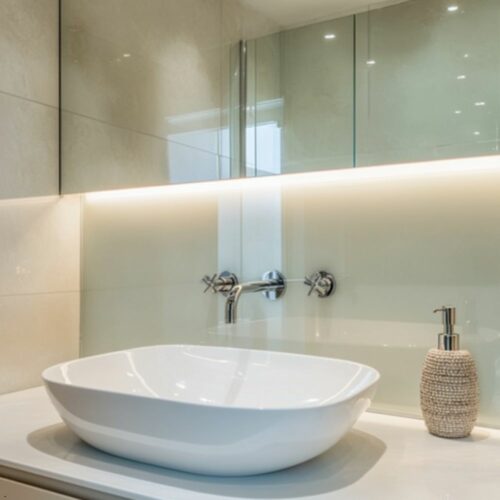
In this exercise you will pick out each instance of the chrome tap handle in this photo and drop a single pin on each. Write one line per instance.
(310, 283)
(210, 282)
(322, 283)
(222, 283)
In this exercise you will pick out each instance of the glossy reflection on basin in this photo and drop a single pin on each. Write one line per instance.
(211, 410)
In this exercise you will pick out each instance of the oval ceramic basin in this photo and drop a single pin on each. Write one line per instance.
(211, 410)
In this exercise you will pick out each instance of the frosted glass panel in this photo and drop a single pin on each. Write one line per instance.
(428, 80)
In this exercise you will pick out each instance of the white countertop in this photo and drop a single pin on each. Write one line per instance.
(383, 457)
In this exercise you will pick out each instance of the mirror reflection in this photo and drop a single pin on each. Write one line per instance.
(413, 81)
(163, 91)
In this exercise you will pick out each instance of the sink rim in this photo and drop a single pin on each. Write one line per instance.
(48, 378)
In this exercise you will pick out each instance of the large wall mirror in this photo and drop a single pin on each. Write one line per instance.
(170, 91)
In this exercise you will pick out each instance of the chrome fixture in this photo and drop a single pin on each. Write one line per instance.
(220, 283)
(322, 283)
(449, 340)
(272, 286)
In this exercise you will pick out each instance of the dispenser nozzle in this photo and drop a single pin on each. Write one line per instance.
(448, 340)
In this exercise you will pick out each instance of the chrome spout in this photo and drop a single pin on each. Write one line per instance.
(272, 285)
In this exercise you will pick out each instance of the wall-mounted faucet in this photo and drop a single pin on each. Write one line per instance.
(272, 285)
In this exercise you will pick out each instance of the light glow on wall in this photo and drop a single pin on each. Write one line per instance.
(386, 173)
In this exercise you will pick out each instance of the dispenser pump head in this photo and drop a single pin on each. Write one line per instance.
(448, 340)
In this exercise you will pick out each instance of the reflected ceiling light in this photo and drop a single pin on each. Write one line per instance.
(477, 133)
(330, 36)
(466, 56)
(371, 62)
(458, 112)
(452, 8)
(480, 103)
(461, 77)
(126, 54)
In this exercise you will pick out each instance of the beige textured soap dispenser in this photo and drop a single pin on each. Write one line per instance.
(449, 392)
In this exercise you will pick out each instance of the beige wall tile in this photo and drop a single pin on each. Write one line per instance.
(36, 332)
(39, 287)
(153, 67)
(97, 156)
(28, 148)
(39, 251)
(29, 49)
(40, 245)
(148, 71)
(141, 91)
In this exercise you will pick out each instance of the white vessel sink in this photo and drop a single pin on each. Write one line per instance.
(211, 410)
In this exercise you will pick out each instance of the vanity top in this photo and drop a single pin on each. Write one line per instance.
(383, 457)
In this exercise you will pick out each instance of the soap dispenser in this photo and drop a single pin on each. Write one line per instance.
(449, 392)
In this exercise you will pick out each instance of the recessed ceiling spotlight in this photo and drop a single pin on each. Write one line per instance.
(461, 77)
(480, 103)
(466, 56)
(330, 36)
(458, 112)
(477, 133)
(452, 8)
(126, 54)
(371, 62)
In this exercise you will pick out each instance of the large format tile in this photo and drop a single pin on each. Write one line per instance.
(29, 49)
(153, 67)
(40, 249)
(98, 157)
(29, 164)
(147, 72)
(36, 331)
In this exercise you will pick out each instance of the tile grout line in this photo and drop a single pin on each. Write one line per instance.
(59, 94)
(27, 99)
(31, 294)
(145, 134)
